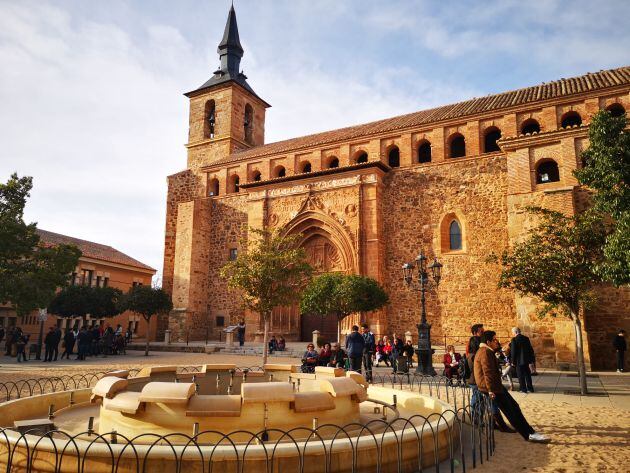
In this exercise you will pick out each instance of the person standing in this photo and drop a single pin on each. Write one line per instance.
(240, 333)
(49, 341)
(368, 351)
(521, 355)
(56, 341)
(68, 341)
(21, 342)
(355, 344)
(397, 350)
(488, 379)
(620, 348)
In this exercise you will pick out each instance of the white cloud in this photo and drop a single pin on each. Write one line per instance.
(92, 106)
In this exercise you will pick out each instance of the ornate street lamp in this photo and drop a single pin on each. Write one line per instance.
(424, 351)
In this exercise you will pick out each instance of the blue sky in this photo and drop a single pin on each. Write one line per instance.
(91, 91)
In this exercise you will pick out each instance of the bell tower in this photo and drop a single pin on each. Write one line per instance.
(225, 113)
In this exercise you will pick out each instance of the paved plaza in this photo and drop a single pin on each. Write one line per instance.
(589, 433)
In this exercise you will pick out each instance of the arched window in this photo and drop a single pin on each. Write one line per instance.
(616, 109)
(530, 126)
(210, 119)
(333, 162)
(570, 119)
(213, 187)
(306, 167)
(490, 140)
(279, 171)
(248, 123)
(256, 176)
(393, 157)
(455, 236)
(457, 145)
(547, 171)
(424, 152)
(235, 182)
(361, 157)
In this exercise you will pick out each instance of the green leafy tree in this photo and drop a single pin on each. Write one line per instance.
(341, 295)
(271, 273)
(146, 301)
(30, 272)
(81, 301)
(556, 263)
(607, 172)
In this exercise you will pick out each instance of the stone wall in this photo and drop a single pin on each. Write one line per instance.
(420, 197)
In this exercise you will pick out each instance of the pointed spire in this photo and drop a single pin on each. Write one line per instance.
(230, 53)
(230, 49)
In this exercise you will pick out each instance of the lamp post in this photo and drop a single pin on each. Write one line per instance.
(424, 351)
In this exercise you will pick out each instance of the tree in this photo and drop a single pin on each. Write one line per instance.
(557, 263)
(146, 301)
(271, 273)
(30, 271)
(341, 295)
(607, 172)
(80, 301)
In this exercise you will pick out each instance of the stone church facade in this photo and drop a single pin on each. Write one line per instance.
(453, 181)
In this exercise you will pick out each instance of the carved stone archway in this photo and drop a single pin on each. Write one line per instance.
(329, 248)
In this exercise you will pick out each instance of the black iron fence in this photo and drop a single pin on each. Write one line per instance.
(400, 445)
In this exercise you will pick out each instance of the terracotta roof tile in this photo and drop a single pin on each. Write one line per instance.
(91, 249)
(556, 89)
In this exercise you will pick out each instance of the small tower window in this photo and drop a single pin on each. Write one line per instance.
(256, 176)
(457, 145)
(279, 171)
(248, 124)
(362, 157)
(493, 134)
(210, 119)
(393, 157)
(306, 167)
(616, 109)
(213, 187)
(455, 236)
(234, 184)
(424, 152)
(530, 126)
(333, 163)
(233, 254)
(571, 119)
(547, 171)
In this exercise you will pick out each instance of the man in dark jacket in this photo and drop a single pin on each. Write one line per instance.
(521, 355)
(620, 348)
(488, 378)
(355, 344)
(368, 351)
(57, 340)
(49, 342)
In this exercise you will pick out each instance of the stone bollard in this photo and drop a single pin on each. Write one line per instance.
(167, 337)
(315, 337)
(408, 337)
(229, 339)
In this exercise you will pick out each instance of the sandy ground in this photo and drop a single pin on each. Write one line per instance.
(585, 437)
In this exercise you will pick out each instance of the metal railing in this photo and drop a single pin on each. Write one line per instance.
(469, 442)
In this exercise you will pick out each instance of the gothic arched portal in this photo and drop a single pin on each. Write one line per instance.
(328, 249)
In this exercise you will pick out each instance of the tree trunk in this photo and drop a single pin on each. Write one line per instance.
(579, 351)
(146, 347)
(265, 343)
(339, 319)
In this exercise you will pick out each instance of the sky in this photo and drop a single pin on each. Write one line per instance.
(91, 100)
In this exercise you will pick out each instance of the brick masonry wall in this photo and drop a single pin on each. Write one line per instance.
(475, 190)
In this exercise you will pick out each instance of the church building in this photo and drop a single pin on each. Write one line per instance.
(453, 181)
